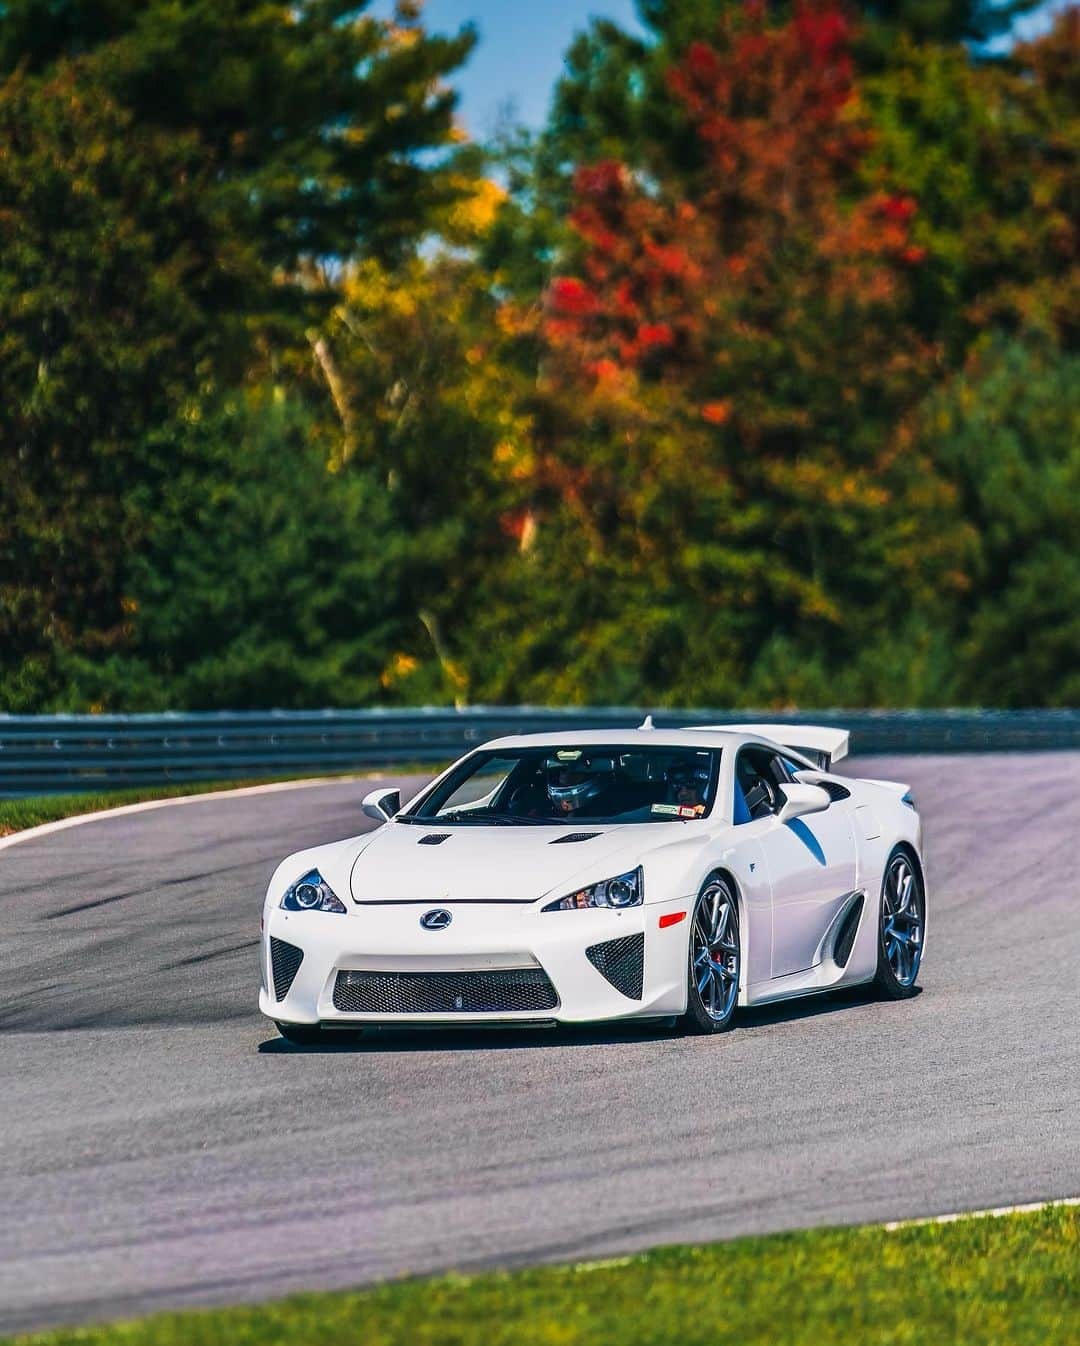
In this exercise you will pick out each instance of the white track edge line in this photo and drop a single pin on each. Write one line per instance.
(991, 1213)
(144, 806)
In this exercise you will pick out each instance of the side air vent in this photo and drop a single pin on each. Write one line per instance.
(574, 836)
(285, 960)
(622, 962)
(845, 936)
(433, 839)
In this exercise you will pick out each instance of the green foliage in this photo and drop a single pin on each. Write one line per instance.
(121, 287)
(295, 609)
(750, 380)
(1008, 433)
(981, 1281)
(311, 114)
(170, 178)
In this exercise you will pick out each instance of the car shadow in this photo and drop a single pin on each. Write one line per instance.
(814, 1006)
(477, 1039)
(381, 1040)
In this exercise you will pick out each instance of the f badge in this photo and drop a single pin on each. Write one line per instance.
(437, 919)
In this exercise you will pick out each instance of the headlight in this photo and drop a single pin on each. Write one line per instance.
(625, 890)
(312, 893)
(909, 799)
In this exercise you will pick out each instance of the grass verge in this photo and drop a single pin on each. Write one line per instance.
(18, 814)
(1008, 1280)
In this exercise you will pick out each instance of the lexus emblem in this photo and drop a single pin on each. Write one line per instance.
(437, 919)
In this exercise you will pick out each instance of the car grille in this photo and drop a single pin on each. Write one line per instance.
(285, 960)
(502, 992)
(622, 962)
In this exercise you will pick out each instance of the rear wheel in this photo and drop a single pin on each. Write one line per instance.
(314, 1035)
(901, 928)
(715, 960)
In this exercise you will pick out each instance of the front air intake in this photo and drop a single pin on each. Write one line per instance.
(285, 960)
(511, 991)
(573, 836)
(622, 962)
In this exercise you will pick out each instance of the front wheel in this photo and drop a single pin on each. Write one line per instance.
(715, 960)
(900, 929)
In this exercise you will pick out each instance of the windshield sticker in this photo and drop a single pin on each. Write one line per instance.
(568, 754)
(679, 810)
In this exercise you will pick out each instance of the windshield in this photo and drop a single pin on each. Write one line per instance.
(574, 784)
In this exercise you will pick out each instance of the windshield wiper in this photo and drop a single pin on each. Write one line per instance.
(476, 816)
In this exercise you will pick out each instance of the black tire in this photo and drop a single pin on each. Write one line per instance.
(901, 927)
(713, 1010)
(314, 1035)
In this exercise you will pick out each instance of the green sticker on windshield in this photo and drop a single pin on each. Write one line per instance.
(568, 754)
(666, 808)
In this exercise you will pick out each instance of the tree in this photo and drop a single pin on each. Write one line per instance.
(314, 116)
(265, 581)
(992, 155)
(731, 361)
(426, 389)
(1007, 433)
(165, 197)
(122, 288)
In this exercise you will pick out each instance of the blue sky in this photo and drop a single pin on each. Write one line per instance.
(519, 55)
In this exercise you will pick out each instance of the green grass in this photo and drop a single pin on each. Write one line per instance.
(1008, 1280)
(18, 814)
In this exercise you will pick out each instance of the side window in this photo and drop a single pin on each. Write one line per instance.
(758, 774)
(480, 786)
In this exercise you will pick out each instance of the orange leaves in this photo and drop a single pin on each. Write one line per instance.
(716, 413)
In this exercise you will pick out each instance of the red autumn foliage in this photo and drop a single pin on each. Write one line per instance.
(571, 296)
(779, 211)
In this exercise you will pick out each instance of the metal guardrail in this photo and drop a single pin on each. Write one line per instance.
(52, 754)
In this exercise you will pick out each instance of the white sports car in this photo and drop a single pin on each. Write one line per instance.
(639, 874)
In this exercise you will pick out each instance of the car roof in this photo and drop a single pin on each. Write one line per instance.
(631, 738)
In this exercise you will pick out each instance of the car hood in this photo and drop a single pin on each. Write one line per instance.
(484, 864)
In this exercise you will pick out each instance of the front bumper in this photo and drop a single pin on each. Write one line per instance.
(510, 945)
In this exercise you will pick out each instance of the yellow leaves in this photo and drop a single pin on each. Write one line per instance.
(473, 214)
(400, 667)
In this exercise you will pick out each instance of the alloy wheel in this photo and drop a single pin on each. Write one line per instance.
(714, 951)
(902, 920)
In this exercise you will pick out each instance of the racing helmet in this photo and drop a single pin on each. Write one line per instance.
(575, 779)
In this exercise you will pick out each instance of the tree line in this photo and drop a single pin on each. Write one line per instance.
(751, 378)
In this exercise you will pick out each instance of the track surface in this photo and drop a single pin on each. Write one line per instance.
(159, 1146)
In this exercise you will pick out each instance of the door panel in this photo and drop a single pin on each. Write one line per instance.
(746, 860)
(811, 864)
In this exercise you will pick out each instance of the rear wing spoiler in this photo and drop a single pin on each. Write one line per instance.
(820, 744)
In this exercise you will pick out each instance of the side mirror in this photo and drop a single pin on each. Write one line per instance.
(381, 804)
(802, 799)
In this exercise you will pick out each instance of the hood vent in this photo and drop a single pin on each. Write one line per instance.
(433, 839)
(574, 836)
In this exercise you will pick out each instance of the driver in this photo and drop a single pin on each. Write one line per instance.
(572, 783)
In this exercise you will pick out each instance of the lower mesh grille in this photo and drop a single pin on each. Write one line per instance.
(285, 960)
(622, 962)
(506, 992)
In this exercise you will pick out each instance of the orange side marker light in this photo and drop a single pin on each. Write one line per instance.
(672, 918)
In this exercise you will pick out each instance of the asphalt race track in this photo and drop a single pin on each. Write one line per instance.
(160, 1146)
